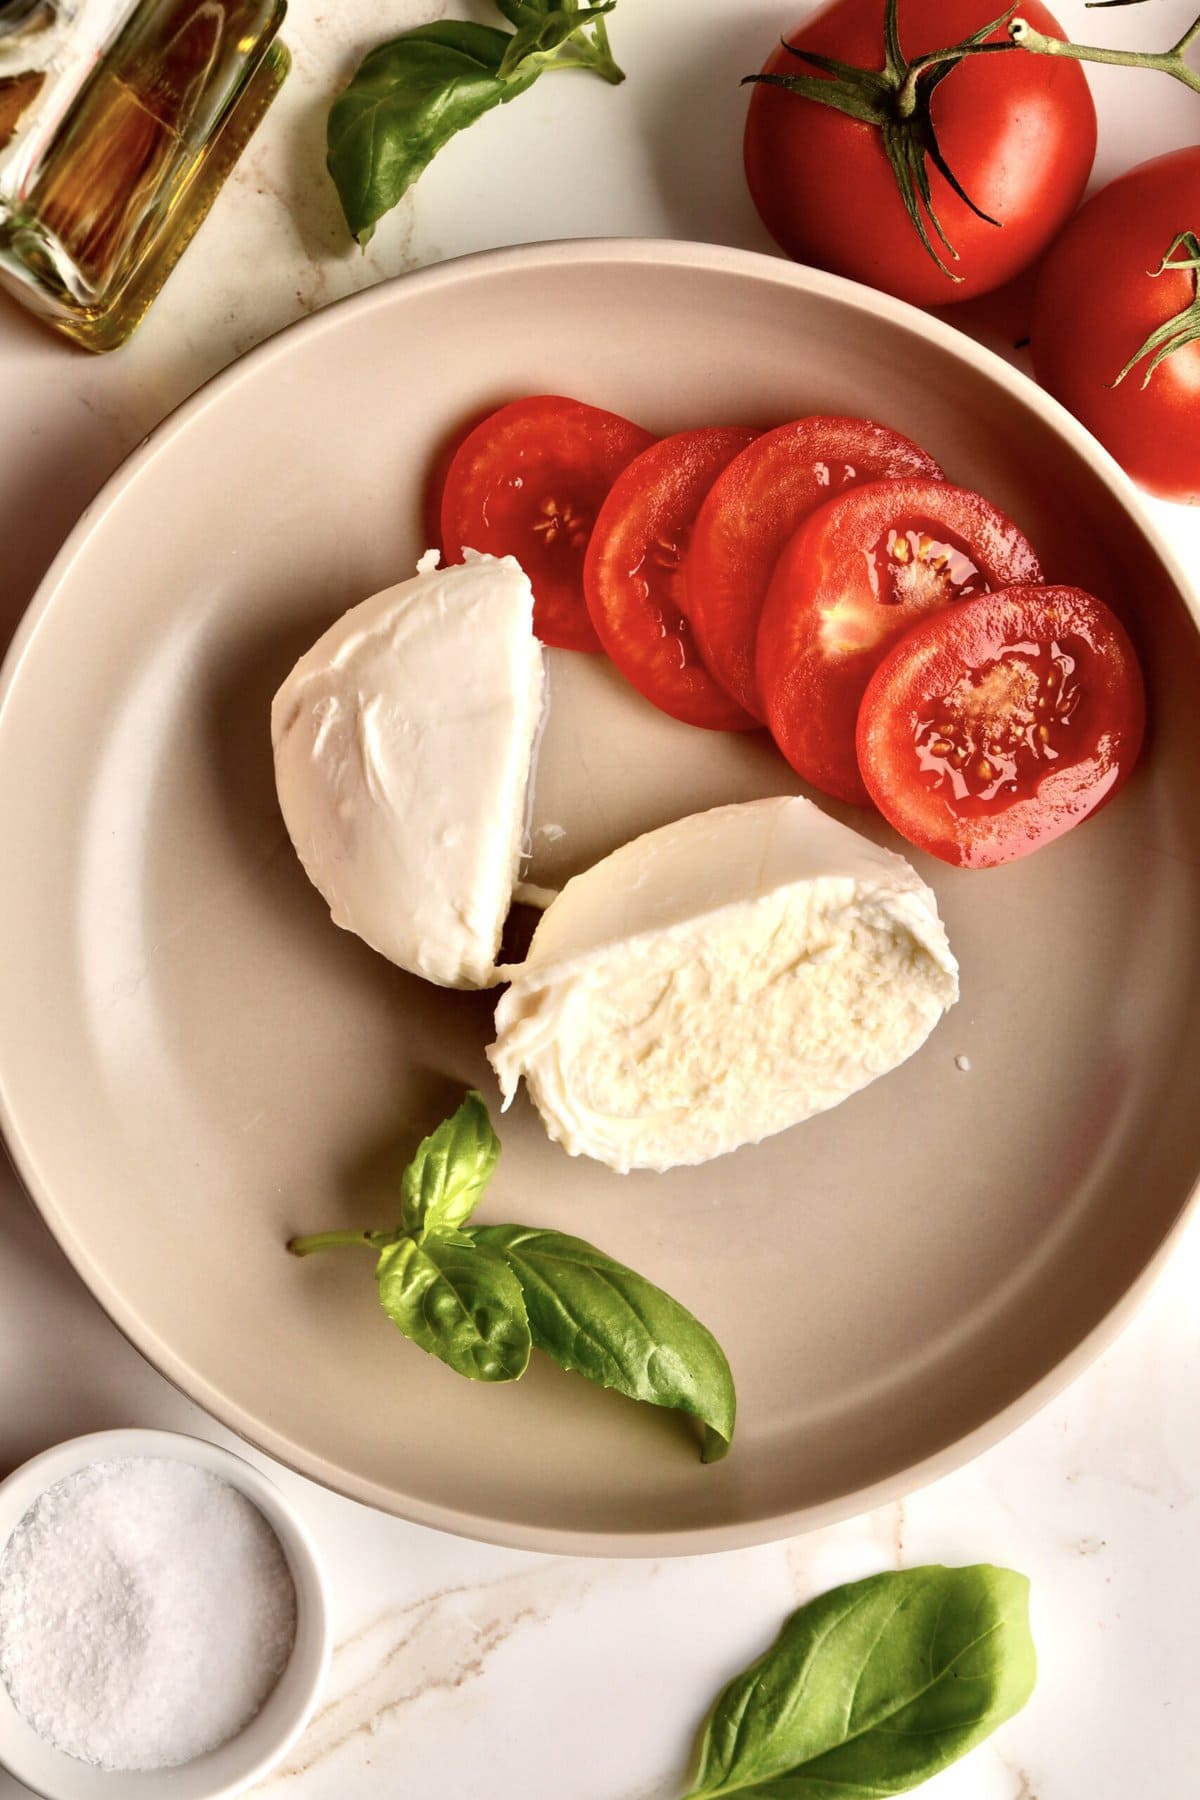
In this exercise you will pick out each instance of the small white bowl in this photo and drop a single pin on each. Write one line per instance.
(247, 1757)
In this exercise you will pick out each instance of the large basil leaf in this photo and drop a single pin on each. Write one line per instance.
(405, 100)
(600, 1319)
(445, 1181)
(459, 1303)
(873, 1688)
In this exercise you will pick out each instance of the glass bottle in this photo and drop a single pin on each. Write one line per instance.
(119, 120)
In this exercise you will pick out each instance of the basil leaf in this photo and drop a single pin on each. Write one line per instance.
(445, 1181)
(406, 99)
(461, 1304)
(603, 1321)
(874, 1687)
(520, 12)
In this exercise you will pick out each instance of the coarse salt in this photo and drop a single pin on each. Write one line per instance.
(146, 1613)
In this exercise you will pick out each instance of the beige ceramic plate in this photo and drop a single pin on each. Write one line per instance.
(194, 1063)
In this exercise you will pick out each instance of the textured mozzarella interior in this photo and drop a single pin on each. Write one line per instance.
(403, 745)
(718, 980)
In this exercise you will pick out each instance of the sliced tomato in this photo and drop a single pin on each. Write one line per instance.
(854, 578)
(631, 575)
(435, 482)
(752, 510)
(994, 726)
(528, 482)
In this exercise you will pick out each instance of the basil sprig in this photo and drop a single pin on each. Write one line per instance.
(412, 94)
(481, 1297)
(872, 1688)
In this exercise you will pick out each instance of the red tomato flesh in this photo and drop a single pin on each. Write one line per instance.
(631, 575)
(435, 481)
(857, 575)
(993, 727)
(1018, 131)
(528, 482)
(1097, 302)
(752, 509)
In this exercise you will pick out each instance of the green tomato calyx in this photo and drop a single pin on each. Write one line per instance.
(897, 101)
(1183, 327)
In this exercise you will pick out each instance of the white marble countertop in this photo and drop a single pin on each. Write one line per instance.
(466, 1669)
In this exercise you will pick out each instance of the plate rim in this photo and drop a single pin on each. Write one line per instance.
(191, 1382)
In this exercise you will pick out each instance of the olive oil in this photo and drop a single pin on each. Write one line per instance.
(17, 92)
(117, 146)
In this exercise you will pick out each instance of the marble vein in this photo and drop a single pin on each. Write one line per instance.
(436, 1645)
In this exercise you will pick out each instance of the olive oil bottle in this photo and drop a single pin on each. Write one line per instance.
(119, 120)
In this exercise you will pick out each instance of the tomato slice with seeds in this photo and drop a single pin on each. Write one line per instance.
(528, 482)
(855, 577)
(631, 575)
(995, 726)
(752, 510)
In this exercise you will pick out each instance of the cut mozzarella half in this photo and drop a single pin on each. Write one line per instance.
(403, 746)
(718, 980)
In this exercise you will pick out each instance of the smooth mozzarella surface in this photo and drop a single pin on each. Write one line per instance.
(718, 980)
(403, 745)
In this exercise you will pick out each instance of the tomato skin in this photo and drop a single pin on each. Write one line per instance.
(974, 647)
(632, 574)
(1019, 132)
(528, 482)
(752, 509)
(1095, 305)
(838, 602)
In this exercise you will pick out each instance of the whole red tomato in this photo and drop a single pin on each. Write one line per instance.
(1018, 132)
(1098, 302)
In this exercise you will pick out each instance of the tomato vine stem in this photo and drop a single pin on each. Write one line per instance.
(1168, 62)
(908, 94)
